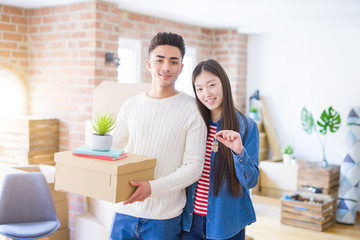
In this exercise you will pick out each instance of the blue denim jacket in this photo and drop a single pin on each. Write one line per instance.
(226, 214)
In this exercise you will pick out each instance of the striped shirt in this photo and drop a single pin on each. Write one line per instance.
(202, 188)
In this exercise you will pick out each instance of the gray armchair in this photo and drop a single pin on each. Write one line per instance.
(27, 209)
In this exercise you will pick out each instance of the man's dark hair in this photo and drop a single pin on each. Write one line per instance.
(168, 38)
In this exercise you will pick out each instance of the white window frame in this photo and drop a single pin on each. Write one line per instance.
(6, 76)
(135, 46)
(184, 81)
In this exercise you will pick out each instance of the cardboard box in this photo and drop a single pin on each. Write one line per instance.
(100, 179)
(60, 234)
(87, 227)
(102, 210)
(110, 95)
(276, 179)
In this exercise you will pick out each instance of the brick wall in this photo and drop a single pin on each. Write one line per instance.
(62, 67)
(230, 49)
(59, 53)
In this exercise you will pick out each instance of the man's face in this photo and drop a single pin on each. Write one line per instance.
(165, 65)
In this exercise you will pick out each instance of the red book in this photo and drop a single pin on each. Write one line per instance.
(124, 155)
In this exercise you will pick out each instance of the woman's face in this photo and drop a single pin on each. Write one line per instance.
(209, 90)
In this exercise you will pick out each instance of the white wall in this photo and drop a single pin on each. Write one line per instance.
(313, 69)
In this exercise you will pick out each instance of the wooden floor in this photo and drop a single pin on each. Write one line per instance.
(268, 227)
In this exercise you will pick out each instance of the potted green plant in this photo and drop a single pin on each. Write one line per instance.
(254, 113)
(330, 121)
(287, 152)
(101, 140)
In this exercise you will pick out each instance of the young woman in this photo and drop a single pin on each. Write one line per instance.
(218, 205)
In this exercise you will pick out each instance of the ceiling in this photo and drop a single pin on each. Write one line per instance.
(247, 16)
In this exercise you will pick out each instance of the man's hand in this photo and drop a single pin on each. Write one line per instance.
(143, 190)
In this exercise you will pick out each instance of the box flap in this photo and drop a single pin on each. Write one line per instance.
(131, 163)
(276, 175)
(47, 170)
(136, 163)
(110, 95)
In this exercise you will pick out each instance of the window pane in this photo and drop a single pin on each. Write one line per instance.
(126, 73)
(129, 54)
(183, 83)
(12, 98)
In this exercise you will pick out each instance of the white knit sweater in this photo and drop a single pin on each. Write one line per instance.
(172, 131)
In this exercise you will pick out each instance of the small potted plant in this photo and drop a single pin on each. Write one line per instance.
(254, 113)
(103, 124)
(287, 152)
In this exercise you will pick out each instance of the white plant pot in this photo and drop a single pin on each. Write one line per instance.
(254, 115)
(287, 159)
(101, 143)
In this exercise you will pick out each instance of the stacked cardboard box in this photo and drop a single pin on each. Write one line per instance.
(101, 179)
(276, 179)
(87, 227)
(60, 198)
(28, 140)
(96, 222)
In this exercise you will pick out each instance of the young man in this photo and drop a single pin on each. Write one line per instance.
(165, 124)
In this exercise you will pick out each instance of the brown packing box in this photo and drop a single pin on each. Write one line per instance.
(61, 234)
(276, 179)
(110, 95)
(88, 227)
(101, 179)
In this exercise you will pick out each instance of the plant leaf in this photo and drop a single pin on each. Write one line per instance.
(307, 120)
(330, 119)
(104, 123)
(324, 124)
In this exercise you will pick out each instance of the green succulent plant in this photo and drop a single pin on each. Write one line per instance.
(288, 149)
(253, 109)
(104, 123)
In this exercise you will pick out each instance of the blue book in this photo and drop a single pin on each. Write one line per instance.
(114, 152)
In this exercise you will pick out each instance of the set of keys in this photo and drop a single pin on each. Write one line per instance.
(215, 146)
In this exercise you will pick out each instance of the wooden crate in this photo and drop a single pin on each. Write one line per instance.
(318, 214)
(313, 175)
(28, 140)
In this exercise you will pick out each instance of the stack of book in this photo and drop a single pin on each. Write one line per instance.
(110, 155)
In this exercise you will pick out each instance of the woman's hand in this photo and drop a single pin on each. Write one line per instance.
(230, 139)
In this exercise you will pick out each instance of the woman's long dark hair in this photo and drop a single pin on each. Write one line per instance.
(223, 168)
